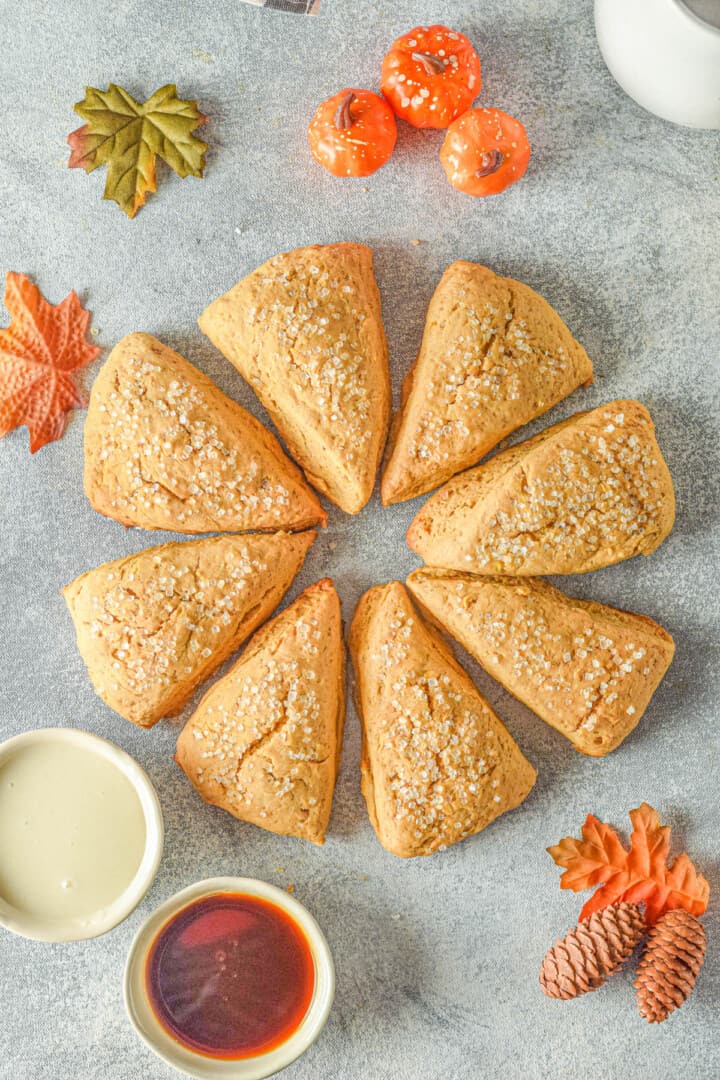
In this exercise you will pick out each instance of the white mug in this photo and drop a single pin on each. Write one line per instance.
(665, 56)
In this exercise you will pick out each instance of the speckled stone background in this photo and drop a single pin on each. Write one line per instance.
(617, 224)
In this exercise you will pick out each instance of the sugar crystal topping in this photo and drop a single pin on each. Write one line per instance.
(317, 319)
(572, 664)
(160, 620)
(440, 747)
(263, 729)
(602, 490)
(162, 451)
(482, 369)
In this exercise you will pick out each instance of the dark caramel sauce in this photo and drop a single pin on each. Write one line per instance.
(230, 976)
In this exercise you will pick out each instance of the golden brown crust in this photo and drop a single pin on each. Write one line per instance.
(305, 330)
(587, 669)
(437, 763)
(166, 449)
(585, 493)
(153, 626)
(494, 355)
(264, 743)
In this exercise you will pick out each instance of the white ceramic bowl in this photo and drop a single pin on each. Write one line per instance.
(31, 925)
(198, 1065)
(664, 57)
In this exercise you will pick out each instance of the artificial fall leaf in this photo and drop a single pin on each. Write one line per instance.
(38, 350)
(127, 137)
(639, 875)
(687, 888)
(592, 860)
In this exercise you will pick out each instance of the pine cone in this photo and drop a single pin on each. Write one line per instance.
(669, 965)
(592, 951)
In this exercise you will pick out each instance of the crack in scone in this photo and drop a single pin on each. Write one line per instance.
(586, 493)
(494, 355)
(587, 669)
(264, 741)
(164, 448)
(151, 626)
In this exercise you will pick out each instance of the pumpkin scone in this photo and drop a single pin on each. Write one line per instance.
(264, 742)
(305, 330)
(437, 764)
(587, 669)
(166, 449)
(152, 626)
(494, 355)
(585, 493)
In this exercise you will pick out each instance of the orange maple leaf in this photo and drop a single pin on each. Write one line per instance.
(38, 350)
(687, 888)
(639, 875)
(592, 860)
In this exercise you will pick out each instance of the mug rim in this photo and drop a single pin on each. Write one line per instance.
(694, 18)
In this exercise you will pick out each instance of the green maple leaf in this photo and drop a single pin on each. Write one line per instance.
(128, 137)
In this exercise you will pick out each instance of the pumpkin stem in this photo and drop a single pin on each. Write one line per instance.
(343, 116)
(434, 65)
(489, 163)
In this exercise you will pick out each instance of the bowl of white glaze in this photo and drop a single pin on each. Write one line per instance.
(81, 834)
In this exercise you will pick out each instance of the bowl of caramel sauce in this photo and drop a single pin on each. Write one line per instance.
(230, 978)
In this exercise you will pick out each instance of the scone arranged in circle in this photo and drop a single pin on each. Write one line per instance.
(166, 449)
(152, 626)
(264, 743)
(494, 355)
(587, 669)
(437, 763)
(585, 493)
(305, 330)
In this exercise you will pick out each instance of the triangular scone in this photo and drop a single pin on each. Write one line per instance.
(585, 493)
(152, 626)
(166, 449)
(586, 669)
(305, 330)
(437, 763)
(494, 355)
(264, 742)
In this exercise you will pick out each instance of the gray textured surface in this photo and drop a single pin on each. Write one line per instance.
(616, 224)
